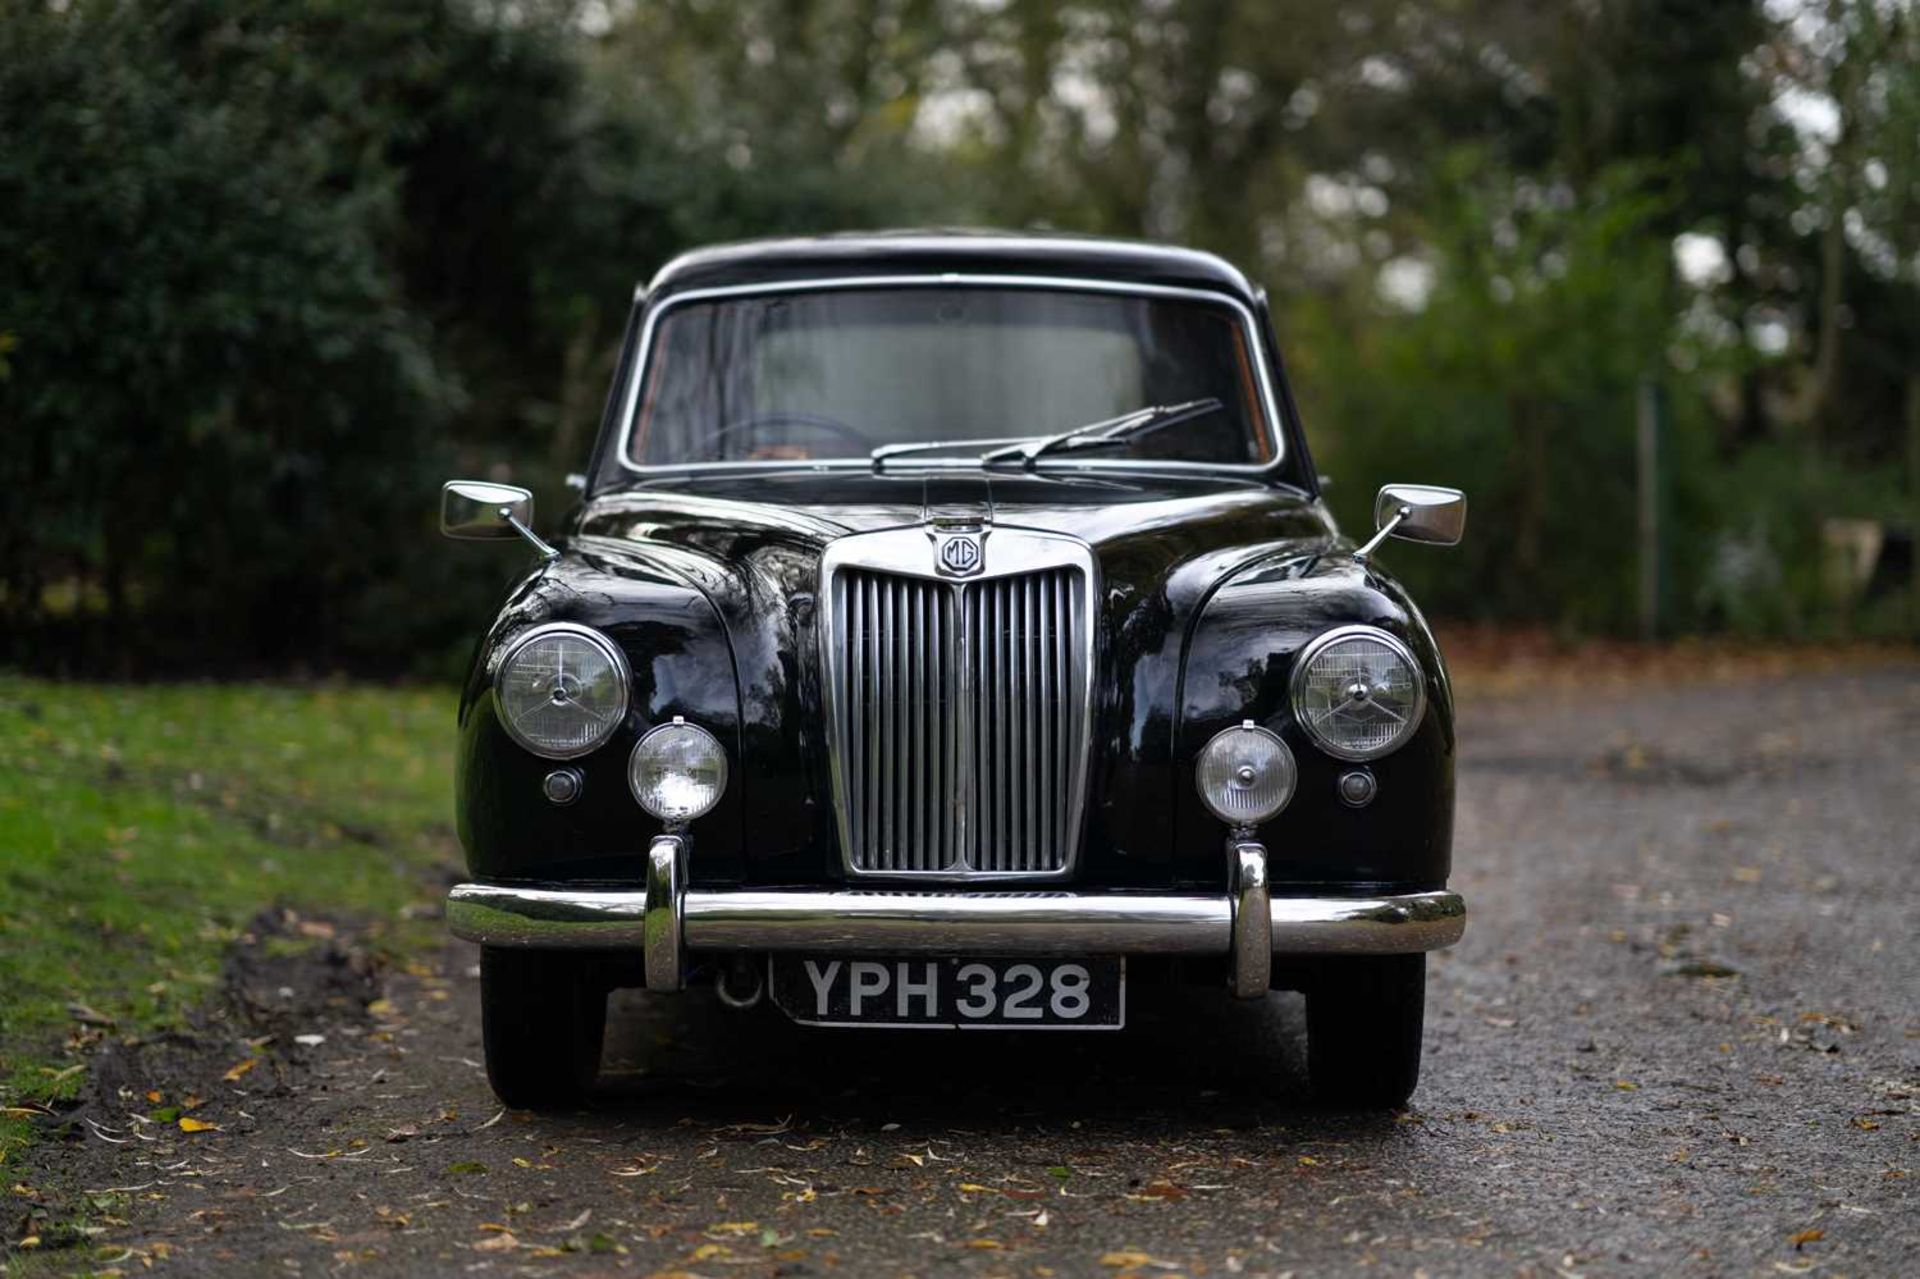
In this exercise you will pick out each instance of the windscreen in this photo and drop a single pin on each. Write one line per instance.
(834, 374)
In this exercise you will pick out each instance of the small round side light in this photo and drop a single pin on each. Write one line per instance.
(562, 786)
(1357, 788)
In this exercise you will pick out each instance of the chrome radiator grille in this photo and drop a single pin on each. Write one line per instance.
(959, 720)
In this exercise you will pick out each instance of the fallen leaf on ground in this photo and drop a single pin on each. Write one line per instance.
(502, 1242)
(1124, 1260)
(240, 1068)
(1161, 1190)
(1806, 1237)
(189, 1124)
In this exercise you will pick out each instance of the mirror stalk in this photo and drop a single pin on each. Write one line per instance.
(540, 544)
(1361, 553)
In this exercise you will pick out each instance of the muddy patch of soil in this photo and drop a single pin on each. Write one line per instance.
(290, 987)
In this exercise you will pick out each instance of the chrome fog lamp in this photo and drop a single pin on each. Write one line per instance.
(1245, 775)
(561, 690)
(1358, 692)
(678, 771)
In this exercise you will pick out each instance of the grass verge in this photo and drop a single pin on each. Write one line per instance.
(142, 827)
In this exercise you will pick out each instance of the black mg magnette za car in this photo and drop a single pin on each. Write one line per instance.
(950, 633)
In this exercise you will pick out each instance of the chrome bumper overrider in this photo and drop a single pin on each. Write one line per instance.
(668, 921)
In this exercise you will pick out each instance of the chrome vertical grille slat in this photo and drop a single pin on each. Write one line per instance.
(960, 719)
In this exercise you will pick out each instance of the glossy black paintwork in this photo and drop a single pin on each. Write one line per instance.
(1209, 584)
(682, 665)
(1207, 588)
(1238, 666)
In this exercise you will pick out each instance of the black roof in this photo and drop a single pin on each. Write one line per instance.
(929, 252)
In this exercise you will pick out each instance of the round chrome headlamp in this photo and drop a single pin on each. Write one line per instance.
(678, 771)
(1245, 775)
(561, 690)
(1358, 692)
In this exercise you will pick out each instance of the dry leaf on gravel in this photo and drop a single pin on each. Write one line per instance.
(189, 1124)
(240, 1068)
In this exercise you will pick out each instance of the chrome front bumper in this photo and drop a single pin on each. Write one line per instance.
(669, 921)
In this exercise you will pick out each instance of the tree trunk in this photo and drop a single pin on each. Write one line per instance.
(1833, 240)
(580, 380)
(1913, 505)
(1530, 514)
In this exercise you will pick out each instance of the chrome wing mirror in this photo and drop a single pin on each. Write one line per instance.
(482, 511)
(1418, 513)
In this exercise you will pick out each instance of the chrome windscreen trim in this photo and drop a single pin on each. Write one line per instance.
(1256, 348)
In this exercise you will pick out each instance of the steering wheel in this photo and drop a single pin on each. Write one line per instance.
(804, 421)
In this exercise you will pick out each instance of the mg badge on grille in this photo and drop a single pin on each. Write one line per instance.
(960, 555)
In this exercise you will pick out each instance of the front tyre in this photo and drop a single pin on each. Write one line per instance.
(1364, 1016)
(543, 1018)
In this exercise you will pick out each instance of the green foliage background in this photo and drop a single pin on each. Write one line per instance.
(271, 270)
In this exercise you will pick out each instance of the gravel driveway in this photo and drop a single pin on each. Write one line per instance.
(1682, 1036)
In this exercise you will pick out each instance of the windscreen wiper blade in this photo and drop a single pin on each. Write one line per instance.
(1109, 432)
